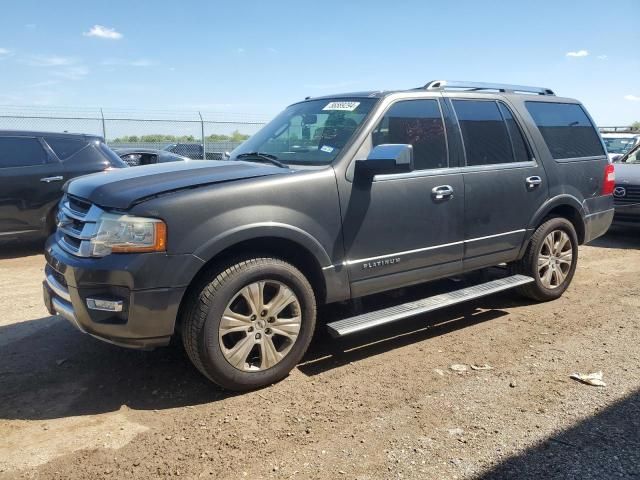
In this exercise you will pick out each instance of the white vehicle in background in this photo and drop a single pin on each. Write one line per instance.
(618, 144)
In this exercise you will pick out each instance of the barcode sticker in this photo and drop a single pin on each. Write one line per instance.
(344, 106)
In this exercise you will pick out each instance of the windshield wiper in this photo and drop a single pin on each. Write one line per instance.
(261, 157)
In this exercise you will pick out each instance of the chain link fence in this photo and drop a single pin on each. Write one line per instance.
(193, 134)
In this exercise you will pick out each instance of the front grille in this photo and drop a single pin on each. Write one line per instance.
(49, 270)
(78, 205)
(624, 194)
(77, 222)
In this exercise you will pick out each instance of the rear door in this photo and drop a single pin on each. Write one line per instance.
(504, 184)
(30, 184)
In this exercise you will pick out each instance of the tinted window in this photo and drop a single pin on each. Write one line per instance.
(520, 151)
(21, 152)
(484, 132)
(65, 147)
(567, 130)
(419, 123)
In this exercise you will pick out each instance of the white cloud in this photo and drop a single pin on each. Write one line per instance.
(579, 53)
(45, 83)
(632, 98)
(272, 50)
(602, 57)
(240, 50)
(72, 73)
(5, 52)
(140, 62)
(49, 61)
(101, 31)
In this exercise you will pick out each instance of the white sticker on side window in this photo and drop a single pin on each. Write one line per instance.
(326, 148)
(344, 106)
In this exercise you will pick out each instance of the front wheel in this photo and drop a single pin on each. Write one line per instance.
(251, 324)
(551, 259)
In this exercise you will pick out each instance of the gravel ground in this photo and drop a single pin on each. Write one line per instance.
(381, 405)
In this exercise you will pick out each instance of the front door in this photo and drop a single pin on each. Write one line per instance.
(29, 185)
(402, 229)
(504, 185)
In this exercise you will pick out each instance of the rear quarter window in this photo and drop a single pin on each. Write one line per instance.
(566, 129)
(65, 147)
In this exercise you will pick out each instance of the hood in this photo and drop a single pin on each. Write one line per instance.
(122, 188)
(627, 173)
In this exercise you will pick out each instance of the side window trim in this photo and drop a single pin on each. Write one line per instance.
(519, 127)
(420, 172)
(492, 166)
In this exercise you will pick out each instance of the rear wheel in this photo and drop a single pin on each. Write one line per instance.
(251, 324)
(551, 259)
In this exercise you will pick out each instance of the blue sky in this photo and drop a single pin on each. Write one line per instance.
(258, 56)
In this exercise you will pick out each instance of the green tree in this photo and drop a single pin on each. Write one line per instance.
(635, 126)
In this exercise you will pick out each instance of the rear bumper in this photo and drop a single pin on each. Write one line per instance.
(597, 224)
(148, 315)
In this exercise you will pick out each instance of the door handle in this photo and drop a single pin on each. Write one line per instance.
(533, 181)
(441, 192)
(58, 178)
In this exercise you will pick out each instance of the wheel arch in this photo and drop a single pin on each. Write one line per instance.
(565, 206)
(289, 244)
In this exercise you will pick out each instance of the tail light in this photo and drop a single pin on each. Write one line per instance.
(609, 183)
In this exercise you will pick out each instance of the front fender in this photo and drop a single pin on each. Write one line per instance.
(260, 230)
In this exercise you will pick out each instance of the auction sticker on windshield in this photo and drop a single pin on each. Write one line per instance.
(344, 106)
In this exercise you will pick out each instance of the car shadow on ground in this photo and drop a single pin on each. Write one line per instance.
(619, 238)
(24, 248)
(606, 445)
(50, 370)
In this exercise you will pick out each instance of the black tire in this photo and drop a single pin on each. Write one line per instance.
(528, 265)
(204, 310)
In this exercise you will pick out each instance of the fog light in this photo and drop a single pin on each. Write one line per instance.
(104, 305)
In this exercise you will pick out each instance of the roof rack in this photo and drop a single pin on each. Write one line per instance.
(441, 85)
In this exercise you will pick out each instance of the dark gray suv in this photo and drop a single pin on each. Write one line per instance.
(337, 198)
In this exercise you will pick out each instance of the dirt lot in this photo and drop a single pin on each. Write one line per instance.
(381, 405)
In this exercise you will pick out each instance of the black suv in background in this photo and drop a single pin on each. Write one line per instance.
(33, 168)
(336, 198)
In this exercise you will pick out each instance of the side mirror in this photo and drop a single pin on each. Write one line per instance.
(387, 158)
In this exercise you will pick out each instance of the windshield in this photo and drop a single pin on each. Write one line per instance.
(309, 133)
(620, 145)
(632, 157)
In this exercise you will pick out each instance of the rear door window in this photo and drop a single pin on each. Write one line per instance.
(21, 152)
(489, 132)
(566, 129)
(65, 147)
(418, 123)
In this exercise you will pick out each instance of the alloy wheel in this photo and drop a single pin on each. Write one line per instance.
(555, 259)
(260, 325)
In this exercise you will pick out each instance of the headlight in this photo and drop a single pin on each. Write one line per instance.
(126, 234)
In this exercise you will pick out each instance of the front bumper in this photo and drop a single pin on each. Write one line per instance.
(150, 286)
(627, 215)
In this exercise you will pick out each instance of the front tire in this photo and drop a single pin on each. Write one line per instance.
(250, 325)
(551, 259)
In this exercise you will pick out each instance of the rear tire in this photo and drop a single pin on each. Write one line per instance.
(249, 324)
(551, 259)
